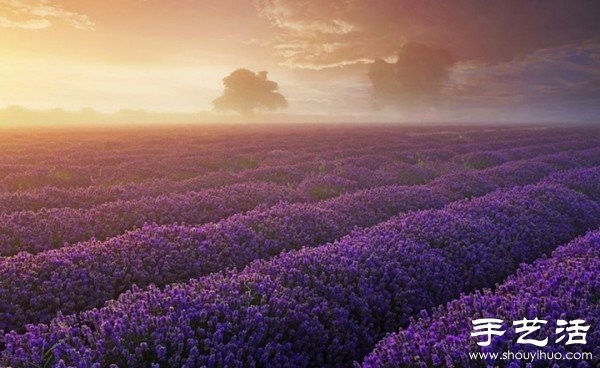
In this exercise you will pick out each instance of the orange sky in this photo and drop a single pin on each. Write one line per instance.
(507, 59)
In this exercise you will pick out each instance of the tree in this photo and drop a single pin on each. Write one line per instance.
(246, 92)
(415, 78)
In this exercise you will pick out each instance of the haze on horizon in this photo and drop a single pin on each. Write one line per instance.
(378, 60)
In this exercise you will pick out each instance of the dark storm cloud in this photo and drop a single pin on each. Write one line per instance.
(322, 33)
(503, 52)
(551, 76)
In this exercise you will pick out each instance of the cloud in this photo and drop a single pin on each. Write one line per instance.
(505, 53)
(491, 31)
(552, 84)
(25, 24)
(39, 14)
(314, 17)
(558, 75)
(246, 91)
(415, 77)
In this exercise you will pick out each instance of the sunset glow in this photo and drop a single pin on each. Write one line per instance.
(506, 60)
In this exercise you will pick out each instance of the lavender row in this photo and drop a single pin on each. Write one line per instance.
(186, 161)
(324, 306)
(74, 168)
(467, 183)
(97, 271)
(133, 171)
(564, 287)
(71, 279)
(52, 197)
(118, 147)
(87, 275)
(38, 231)
(487, 158)
(52, 228)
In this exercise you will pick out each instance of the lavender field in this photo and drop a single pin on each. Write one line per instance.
(296, 246)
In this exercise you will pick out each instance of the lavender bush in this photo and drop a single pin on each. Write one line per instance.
(94, 272)
(324, 306)
(563, 287)
(299, 247)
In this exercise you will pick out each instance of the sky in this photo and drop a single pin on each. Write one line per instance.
(388, 60)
